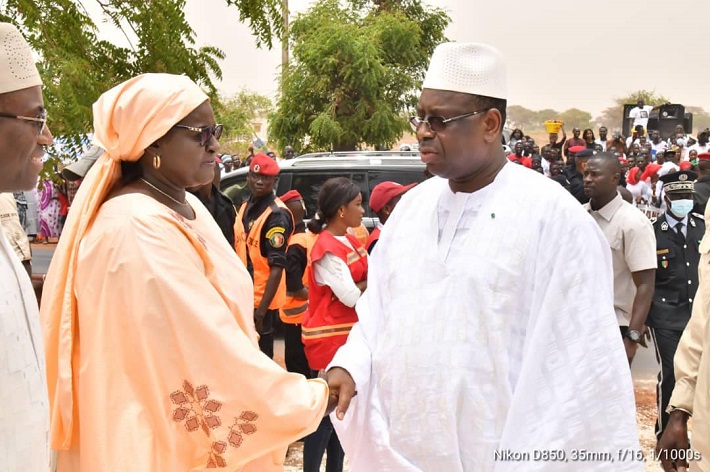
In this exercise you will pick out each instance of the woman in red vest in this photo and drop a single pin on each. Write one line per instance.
(338, 278)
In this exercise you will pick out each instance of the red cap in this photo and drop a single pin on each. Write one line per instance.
(384, 192)
(290, 195)
(264, 165)
(576, 149)
(704, 156)
(685, 165)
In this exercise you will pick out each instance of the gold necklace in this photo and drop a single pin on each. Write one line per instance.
(158, 190)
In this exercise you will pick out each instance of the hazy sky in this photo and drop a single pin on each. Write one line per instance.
(560, 54)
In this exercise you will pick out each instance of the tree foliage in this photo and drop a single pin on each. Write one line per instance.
(527, 119)
(238, 114)
(356, 71)
(77, 67)
(265, 19)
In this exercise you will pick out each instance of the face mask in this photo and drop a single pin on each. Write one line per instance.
(680, 208)
(680, 142)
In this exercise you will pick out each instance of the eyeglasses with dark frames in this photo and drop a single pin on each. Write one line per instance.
(40, 121)
(438, 123)
(206, 132)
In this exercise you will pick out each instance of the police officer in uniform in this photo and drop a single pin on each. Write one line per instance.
(678, 234)
(267, 228)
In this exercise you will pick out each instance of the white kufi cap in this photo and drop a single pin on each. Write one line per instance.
(17, 64)
(473, 68)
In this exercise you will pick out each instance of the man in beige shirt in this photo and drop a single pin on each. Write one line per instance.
(691, 394)
(14, 232)
(633, 248)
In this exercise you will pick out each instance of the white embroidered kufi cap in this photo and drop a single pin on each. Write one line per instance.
(473, 68)
(17, 64)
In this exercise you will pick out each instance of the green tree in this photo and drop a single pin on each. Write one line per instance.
(355, 74)
(77, 67)
(575, 117)
(522, 117)
(237, 114)
(613, 116)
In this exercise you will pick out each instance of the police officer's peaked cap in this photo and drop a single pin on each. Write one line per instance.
(679, 181)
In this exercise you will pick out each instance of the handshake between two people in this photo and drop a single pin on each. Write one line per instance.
(341, 390)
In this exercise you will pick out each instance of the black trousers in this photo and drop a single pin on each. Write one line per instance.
(293, 350)
(266, 337)
(323, 440)
(666, 342)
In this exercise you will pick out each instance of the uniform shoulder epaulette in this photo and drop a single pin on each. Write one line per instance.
(697, 215)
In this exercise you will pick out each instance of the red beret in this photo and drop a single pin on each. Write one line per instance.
(290, 195)
(704, 156)
(576, 149)
(264, 165)
(384, 192)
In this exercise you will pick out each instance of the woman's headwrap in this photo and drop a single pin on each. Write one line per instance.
(127, 120)
(651, 170)
(633, 177)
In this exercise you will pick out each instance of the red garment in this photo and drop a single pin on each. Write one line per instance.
(632, 178)
(526, 161)
(372, 239)
(328, 322)
(63, 204)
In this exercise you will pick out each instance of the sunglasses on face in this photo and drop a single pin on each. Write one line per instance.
(40, 121)
(206, 132)
(438, 123)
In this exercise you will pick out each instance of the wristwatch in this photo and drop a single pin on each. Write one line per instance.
(633, 335)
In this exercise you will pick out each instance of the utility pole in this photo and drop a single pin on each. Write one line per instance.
(284, 39)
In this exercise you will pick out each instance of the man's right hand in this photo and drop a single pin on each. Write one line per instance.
(342, 387)
(674, 443)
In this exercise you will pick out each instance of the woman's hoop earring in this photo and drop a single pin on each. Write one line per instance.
(156, 162)
(342, 215)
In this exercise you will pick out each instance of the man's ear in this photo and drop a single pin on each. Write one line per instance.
(493, 124)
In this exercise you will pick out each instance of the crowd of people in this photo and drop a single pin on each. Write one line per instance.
(476, 334)
(229, 162)
(644, 158)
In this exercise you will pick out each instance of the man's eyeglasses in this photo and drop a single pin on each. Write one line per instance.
(206, 132)
(40, 121)
(438, 123)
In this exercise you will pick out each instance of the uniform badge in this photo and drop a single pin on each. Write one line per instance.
(664, 264)
(257, 168)
(683, 177)
(692, 222)
(277, 240)
(276, 236)
(664, 226)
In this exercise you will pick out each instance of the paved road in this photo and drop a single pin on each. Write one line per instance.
(643, 368)
(40, 258)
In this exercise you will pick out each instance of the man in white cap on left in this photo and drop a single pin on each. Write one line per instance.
(24, 411)
(487, 340)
